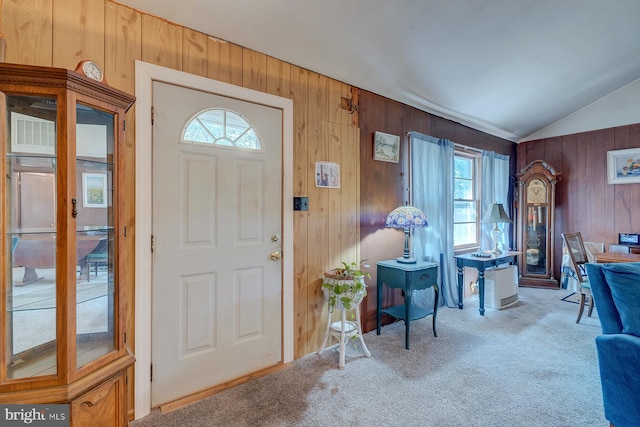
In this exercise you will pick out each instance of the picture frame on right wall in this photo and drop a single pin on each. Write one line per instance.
(623, 166)
(386, 147)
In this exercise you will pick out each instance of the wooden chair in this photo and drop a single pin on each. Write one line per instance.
(579, 257)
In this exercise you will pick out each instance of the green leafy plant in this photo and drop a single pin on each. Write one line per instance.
(344, 286)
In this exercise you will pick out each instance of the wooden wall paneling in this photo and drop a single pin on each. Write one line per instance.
(443, 128)
(595, 156)
(123, 46)
(415, 120)
(334, 111)
(350, 225)
(78, 32)
(521, 156)
(278, 77)
(335, 214)
(355, 100)
(194, 52)
(561, 207)
(300, 97)
(318, 240)
(335, 217)
(348, 116)
(224, 61)
(161, 42)
(609, 193)
(254, 70)
(27, 26)
(573, 191)
(535, 152)
(623, 139)
(350, 193)
(123, 28)
(302, 181)
(553, 155)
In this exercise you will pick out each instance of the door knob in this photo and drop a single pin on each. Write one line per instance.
(275, 256)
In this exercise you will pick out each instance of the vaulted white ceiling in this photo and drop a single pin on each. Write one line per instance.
(507, 67)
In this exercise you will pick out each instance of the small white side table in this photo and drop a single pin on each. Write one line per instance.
(343, 330)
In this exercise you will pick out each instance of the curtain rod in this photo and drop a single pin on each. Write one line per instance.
(466, 147)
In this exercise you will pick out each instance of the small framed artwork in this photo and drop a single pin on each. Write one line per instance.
(386, 147)
(327, 175)
(94, 190)
(623, 166)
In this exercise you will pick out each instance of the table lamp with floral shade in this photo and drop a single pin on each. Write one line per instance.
(406, 217)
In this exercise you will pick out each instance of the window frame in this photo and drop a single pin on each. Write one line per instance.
(476, 158)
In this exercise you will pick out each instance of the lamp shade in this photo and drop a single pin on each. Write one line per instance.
(496, 214)
(406, 217)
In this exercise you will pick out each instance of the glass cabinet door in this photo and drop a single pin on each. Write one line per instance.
(536, 240)
(30, 236)
(95, 240)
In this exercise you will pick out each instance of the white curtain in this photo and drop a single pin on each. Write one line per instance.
(432, 192)
(495, 189)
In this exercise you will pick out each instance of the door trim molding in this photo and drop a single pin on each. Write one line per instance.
(145, 75)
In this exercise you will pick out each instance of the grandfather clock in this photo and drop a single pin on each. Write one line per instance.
(536, 190)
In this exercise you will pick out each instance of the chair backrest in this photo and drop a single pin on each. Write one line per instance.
(577, 253)
(607, 312)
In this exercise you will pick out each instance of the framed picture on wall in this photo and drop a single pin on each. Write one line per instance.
(327, 175)
(94, 190)
(386, 147)
(623, 166)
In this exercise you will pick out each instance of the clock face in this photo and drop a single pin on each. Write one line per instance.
(536, 192)
(93, 71)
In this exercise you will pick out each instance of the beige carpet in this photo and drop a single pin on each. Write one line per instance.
(527, 365)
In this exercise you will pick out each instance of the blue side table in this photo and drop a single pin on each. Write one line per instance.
(481, 264)
(408, 277)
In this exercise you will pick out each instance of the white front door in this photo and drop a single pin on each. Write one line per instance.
(217, 220)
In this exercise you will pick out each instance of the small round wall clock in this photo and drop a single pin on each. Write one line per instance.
(91, 69)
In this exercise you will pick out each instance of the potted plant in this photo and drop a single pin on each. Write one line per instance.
(344, 286)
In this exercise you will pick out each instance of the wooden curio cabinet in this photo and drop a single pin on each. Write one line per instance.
(536, 190)
(62, 326)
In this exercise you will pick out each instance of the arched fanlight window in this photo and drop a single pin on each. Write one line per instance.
(221, 127)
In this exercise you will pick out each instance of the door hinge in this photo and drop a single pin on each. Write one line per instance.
(151, 372)
(125, 337)
(124, 125)
(152, 114)
(152, 243)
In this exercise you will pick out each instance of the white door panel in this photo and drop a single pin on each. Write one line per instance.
(217, 294)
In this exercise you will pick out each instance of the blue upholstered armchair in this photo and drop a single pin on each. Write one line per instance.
(616, 291)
